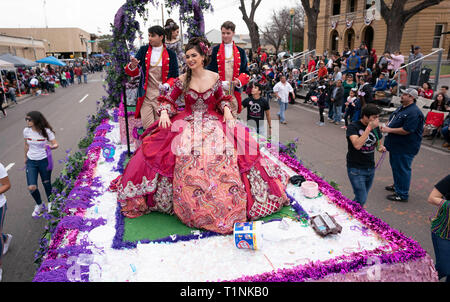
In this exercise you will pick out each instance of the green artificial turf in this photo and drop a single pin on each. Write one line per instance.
(157, 225)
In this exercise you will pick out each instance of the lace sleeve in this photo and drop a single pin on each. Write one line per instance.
(167, 102)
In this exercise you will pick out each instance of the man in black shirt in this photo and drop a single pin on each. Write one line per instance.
(363, 139)
(256, 107)
(440, 197)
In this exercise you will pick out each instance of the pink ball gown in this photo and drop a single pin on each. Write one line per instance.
(207, 174)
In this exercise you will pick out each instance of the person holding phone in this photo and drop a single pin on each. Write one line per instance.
(363, 139)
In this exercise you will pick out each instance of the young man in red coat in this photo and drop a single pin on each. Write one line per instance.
(230, 62)
(158, 68)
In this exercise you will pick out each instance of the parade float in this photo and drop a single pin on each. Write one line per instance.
(320, 236)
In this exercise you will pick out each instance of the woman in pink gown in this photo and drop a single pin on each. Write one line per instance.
(198, 164)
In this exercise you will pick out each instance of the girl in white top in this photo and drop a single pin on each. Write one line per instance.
(39, 137)
(5, 239)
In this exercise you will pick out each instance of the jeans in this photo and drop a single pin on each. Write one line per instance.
(442, 251)
(356, 115)
(446, 134)
(85, 78)
(321, 110)
(252, 124)
(33, 169)
(3, 236)
(283, 108)
(13, 97)
(330, 110)
(415, 75)
(361, 180)
(79, 79)
(2, 99)
(401, 171)
(337, 110)
(348, 114)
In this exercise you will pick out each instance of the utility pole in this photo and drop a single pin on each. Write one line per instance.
(45, 14)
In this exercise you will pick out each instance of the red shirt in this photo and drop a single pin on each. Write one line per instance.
(428, 94)
(322, 72)
(264, 57)
(78, 71)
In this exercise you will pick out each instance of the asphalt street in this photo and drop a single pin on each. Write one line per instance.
(321, 149)
(67, 111)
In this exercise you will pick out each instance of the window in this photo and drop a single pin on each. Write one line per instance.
(437, 38)
(369, 3)
(351, 6)
(336, 7)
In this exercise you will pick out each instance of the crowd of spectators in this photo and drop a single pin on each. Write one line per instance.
(345, 82)
(43, 80)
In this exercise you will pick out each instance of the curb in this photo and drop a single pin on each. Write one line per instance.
(445, 76)
(18, 99)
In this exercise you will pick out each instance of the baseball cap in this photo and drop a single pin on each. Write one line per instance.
(411, 91)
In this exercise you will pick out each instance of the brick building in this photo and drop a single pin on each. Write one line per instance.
(27, 48)
(63, 43)
(348, 23)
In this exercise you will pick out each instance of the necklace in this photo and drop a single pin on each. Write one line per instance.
(159, 60)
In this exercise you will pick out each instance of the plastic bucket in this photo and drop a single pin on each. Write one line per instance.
(247, 235)
(310, 189)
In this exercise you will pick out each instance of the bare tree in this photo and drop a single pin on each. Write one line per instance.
(250, 21)
(312, 13)
(396, 17)
(275, 32)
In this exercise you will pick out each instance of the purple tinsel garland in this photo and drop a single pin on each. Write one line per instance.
(56, 267)
(120, 168)
(403, 249)
(399, 250)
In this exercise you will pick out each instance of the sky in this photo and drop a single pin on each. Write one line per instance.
(95, 16)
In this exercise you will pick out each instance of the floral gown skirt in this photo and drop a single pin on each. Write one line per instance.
(203, 179)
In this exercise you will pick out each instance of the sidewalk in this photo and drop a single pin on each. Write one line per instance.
(9, 103)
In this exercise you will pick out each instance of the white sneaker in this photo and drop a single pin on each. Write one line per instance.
(37, 211)
(7, 243)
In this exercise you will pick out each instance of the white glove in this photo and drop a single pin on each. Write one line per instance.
(164, 87)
